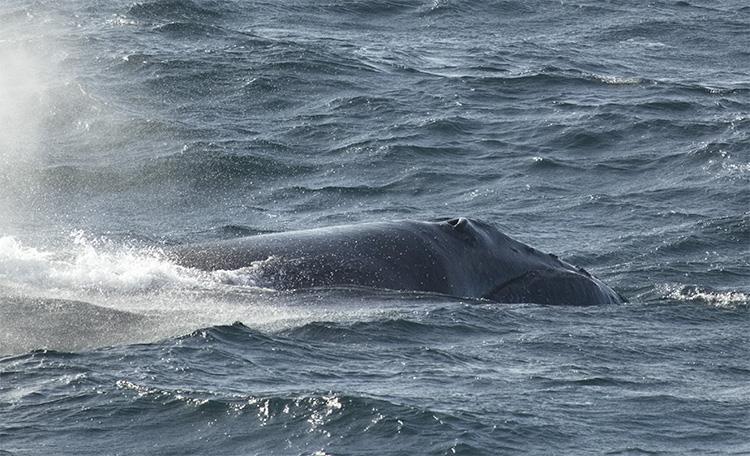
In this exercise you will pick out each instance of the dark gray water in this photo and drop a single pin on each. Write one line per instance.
(614, 134)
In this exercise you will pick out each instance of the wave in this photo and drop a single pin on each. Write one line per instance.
(312, 415)
(551, 76)
(206, 164)
(509, 8)
(671, 89)
(358, 8)
(177, 9)
(707, 235)
(725, 299)
(190, 30)
(200, 166)
(539, 163)
(389, 331)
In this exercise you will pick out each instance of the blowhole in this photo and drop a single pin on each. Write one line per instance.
(459, 222)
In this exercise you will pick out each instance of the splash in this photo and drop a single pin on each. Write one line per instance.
(99, 266)
(96, 266)
(88, 293)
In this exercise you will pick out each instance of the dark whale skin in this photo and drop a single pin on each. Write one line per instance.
(459, 257)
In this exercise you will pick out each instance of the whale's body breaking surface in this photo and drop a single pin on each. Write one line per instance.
(459, 257)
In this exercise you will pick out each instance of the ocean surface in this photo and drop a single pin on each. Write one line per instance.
(615, 134)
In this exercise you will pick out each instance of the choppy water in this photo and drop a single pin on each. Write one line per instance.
(615, 134)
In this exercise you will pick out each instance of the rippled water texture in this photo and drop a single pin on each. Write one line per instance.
(614, 134)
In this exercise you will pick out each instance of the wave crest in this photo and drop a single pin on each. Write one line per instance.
(703, 295)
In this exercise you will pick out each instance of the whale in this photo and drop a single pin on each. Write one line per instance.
(459, 256)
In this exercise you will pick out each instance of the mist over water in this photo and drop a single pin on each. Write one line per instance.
(611, 134)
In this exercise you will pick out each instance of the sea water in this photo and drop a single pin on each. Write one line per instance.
(613, 134)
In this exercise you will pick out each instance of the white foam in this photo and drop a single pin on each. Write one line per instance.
(93, 266)
(103, 267)
(617, 80)
(727, 166)
(714, 298)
